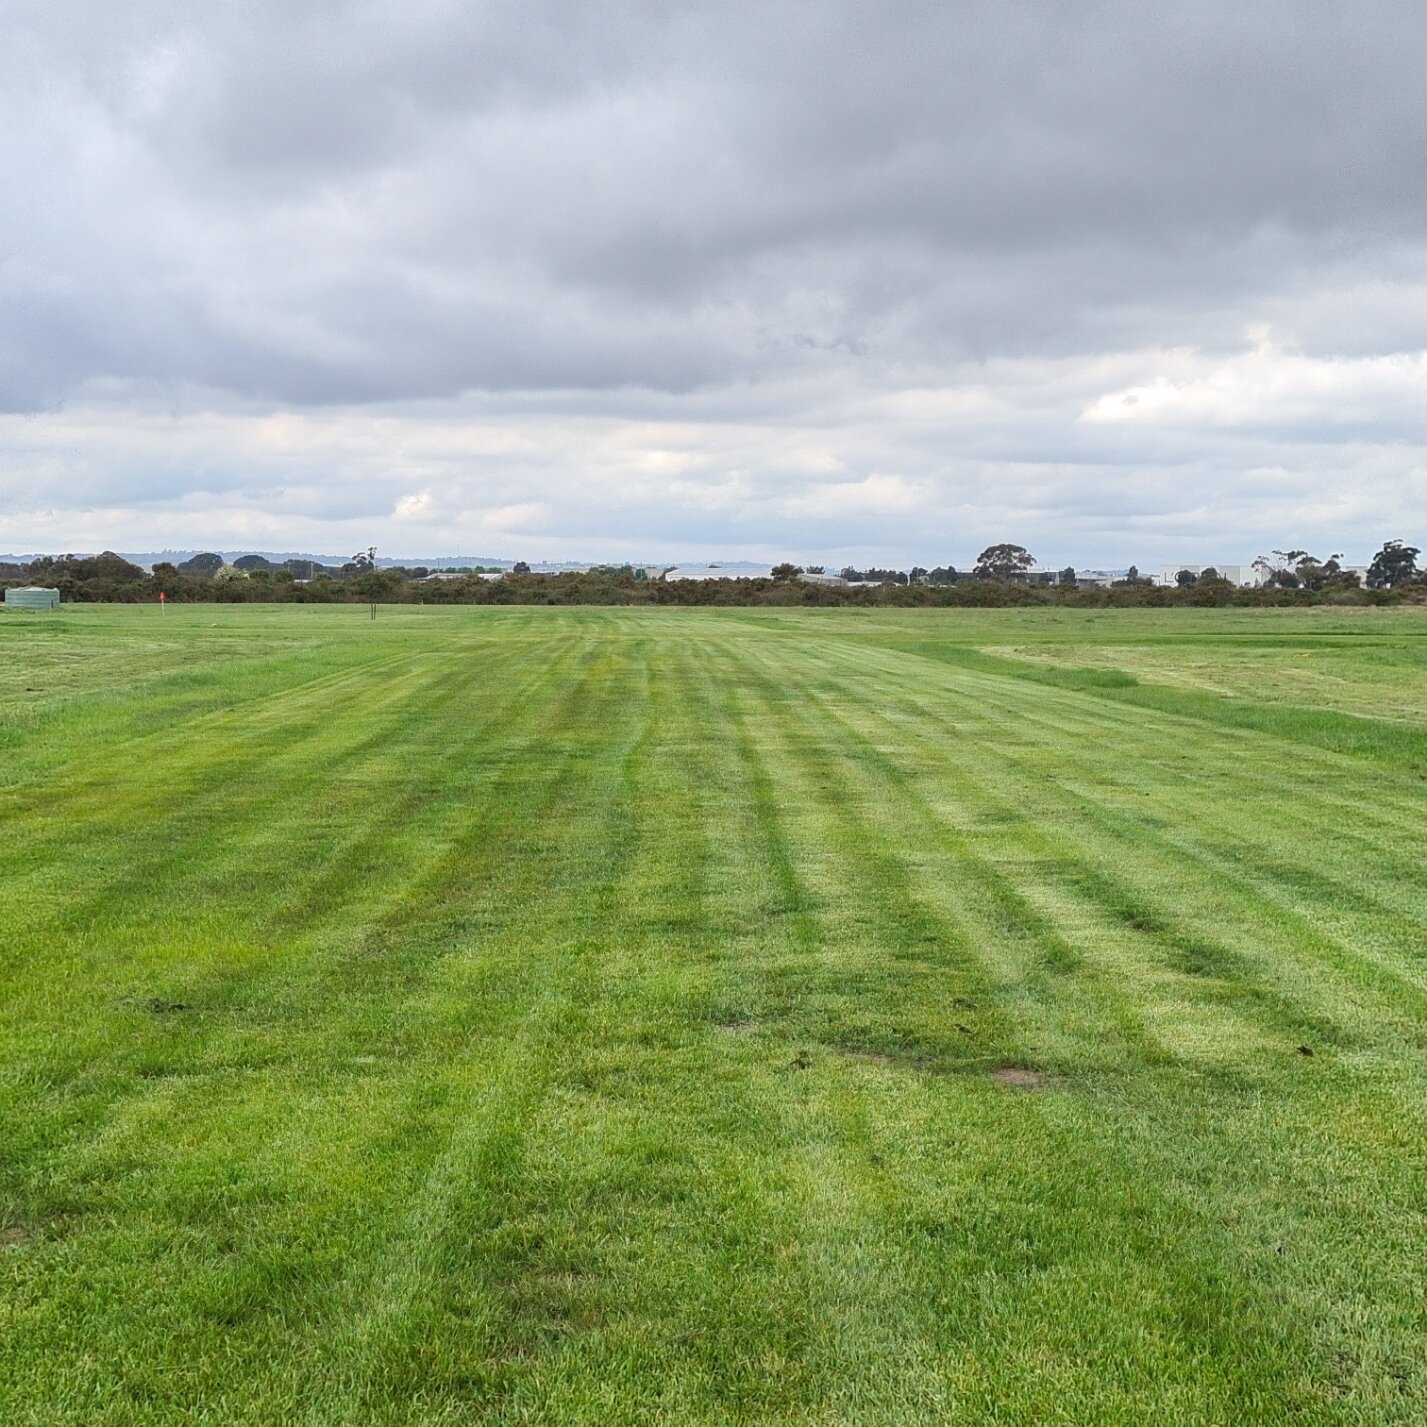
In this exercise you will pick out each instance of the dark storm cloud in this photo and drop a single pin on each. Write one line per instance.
(754, 273)
(329, 202)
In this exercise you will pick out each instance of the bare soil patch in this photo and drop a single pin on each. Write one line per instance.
(160, 1007)
(1018, 1077)
(897, 1059)
(736, 1027)
(871, 1057)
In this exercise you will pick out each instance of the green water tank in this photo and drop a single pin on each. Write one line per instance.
(31, 597)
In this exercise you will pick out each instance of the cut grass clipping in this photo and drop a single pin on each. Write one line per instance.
(591, 1016)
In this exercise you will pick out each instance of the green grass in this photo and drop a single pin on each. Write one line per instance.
(594, 1016)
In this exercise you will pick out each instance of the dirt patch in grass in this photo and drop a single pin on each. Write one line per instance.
(556, 1299)
(869, 1057)
(1019, 1077)
(158, 1006)
(737, 1027)
(15, 1236)
(895, 1058)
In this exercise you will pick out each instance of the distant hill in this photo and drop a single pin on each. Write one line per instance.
(148, 558)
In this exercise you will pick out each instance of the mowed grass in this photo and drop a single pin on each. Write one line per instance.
(592, 1016)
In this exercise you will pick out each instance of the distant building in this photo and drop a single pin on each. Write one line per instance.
(31, 597)
(718, 572)
(1245, 576)
(1086, 579)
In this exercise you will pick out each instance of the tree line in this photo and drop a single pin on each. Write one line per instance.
(1004, 574)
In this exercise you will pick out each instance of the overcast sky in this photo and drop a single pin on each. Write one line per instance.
(642, 278)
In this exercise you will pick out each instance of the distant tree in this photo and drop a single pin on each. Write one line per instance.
(943, 575)
(1287, 568)
(787, 571)
(1394, 564)
(851, 574)
(1276, 568)
(1004, 562)
(1209, 575)
(520, 568)
(1067, 577)
(1133, 578)
(252, 562)
(918, 574)
(1307, 570)
(205, 566)
(229, 572)
(1186, 577)
(107, 566)
(816, 570)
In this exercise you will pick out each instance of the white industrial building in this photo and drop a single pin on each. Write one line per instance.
(1245, 576)
(31, 597)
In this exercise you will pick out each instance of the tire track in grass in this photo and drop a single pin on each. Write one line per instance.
(743, 1345)
(1378, 826)
(1190, 1279)
(1261, 788)
(935, 717)
(857, 1321)
(1327, 1319)
(181, 818)
(577, 1149)
(990, 929)
(460, 1222)
(176, 793)
(556, 775)
(660, 1220)
(107, 1038)
(868, 1341)
(1137, 847)
(907, 1372)
(1381, 827)
(212, 750)
(576, 714)
(130, 720)
(133, 926)
(869, 1313)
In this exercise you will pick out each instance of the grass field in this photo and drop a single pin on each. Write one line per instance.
(588, 1016)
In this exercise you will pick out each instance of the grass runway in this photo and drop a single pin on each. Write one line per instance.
(780, 1017)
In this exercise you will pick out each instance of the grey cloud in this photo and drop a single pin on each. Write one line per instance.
(722, 214)
(433, 186)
